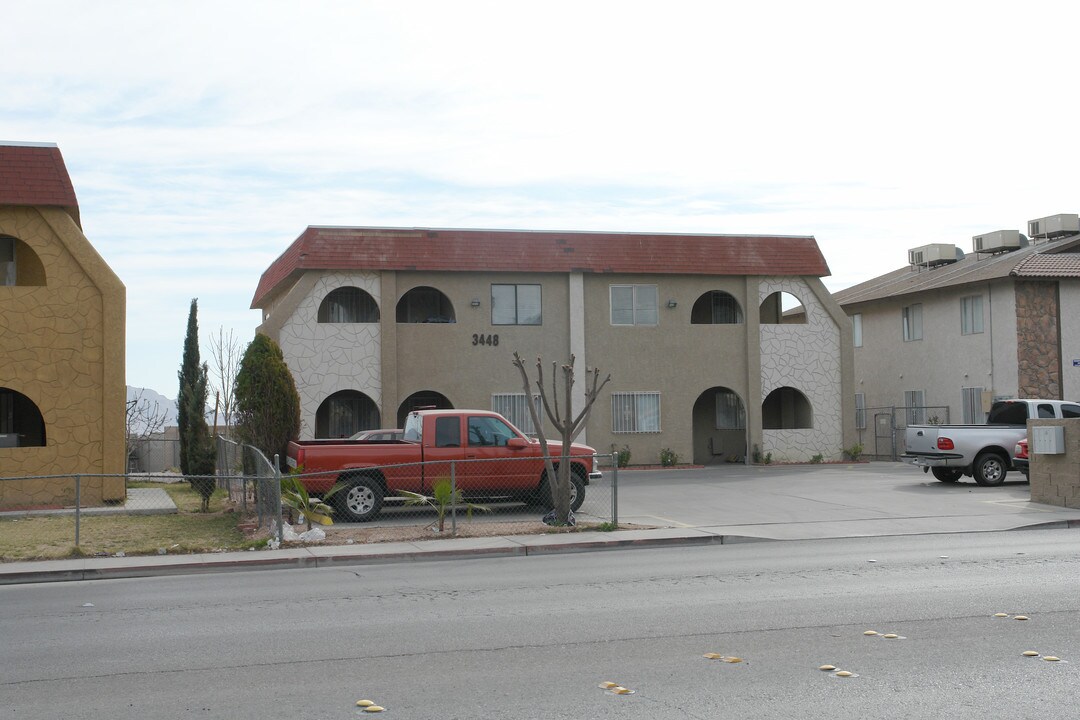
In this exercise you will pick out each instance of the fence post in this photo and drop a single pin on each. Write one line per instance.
(453, 497)
(78, 507)
(614, 491)
(276, 495)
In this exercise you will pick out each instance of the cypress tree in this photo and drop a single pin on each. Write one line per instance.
(267, 404)
(197, 452)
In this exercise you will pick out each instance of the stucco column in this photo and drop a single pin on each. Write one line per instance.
(388, 350)
(753, 366)
(577, 343)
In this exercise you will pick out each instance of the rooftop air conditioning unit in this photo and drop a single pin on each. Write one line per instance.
(995, 242)
(1054, 226)
(936, 254)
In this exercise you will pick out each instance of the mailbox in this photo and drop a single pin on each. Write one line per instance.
(1048, 440)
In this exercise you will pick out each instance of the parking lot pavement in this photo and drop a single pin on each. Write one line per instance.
(815, 501)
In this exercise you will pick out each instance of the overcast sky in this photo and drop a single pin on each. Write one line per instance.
(203, 137)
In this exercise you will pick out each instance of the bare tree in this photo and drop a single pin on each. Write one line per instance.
(142, 419)
(568, 428)
(225, 355)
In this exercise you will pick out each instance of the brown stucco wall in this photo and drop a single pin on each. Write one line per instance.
(1038, 340)
(1055, 479)
(62, 346)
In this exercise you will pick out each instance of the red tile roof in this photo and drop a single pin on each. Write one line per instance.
(35, 174)
(348, 248)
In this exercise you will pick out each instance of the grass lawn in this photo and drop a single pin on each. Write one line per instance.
(47, 537)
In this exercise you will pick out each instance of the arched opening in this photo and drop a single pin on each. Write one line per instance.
(19, 264)
(716, 307)
(425, 305)
(348, 305)
(21, 424)
(424, 399)
(786, 409)
(719, 427)
(782, 308)
(344, 413)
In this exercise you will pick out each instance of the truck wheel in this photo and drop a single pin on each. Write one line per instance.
(361, 501)
(989, 469)
(947, 475)
(542, 498)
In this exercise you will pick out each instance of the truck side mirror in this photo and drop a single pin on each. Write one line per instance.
(517, 443)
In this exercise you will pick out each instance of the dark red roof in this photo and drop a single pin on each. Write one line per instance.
(342, 248)
(35, 174)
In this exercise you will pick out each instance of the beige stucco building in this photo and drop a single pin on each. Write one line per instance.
(374, 322)
(940, 339)
(62, 390)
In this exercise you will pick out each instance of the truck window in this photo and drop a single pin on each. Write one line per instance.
(1046, 410)
(489, 431)
(413, 428)
(1070, 411)
(447, 432)
(1008, 413)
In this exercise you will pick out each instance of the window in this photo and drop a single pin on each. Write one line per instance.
(21, 423)
(425, 305)
(913, 322)
(716, 307)
(487, 431)
(973, 405)
(635, 412)
(856, 329)
(515, 305)
(1070, 411)
(971, 315)
(447, 432)
(633, 305)
(916, 407)
(786, 408)
(513, 407)
(860, 411)
(730, 414)
(348, 305)
(344, 414)
(7, 261)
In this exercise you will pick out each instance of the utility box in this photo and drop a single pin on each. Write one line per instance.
(1048, 440)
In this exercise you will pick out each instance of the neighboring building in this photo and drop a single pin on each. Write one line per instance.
(374, 322)
(943, 337)
(61, 339)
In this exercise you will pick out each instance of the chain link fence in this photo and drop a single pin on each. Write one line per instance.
(147, 512)
(882, 429)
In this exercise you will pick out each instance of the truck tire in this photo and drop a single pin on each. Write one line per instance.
(947, 475)
(989, 469)
(577, 491)
(361, 500)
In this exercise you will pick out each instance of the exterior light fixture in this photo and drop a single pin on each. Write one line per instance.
(475, 302)
(671, 303)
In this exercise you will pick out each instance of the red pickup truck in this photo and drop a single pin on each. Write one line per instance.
(499, 462)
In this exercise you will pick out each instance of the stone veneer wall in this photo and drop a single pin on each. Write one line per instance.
(807, 358)
(1038, 340)
(1055, 479)
(327, 357)
(62, 346)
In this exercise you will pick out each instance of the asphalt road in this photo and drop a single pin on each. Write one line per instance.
(533, 637)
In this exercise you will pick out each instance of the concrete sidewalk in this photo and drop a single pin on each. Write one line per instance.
(753, 504)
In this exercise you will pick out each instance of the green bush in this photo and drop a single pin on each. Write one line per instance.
(668, 457)
(623, 456)
(854, 452)
(817, 458)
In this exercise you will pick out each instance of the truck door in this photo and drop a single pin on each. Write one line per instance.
(493, 467)
(442, 444)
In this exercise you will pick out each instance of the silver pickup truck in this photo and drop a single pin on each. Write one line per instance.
(984, 452)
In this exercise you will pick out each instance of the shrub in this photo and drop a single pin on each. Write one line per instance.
(817, 458)
(854, 452)
(623, 456)
(668, 457)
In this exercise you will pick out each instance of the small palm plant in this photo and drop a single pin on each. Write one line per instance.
(443, 497)
(295, 495)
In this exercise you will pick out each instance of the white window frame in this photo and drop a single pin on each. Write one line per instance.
(517, 303)
(913, 322)
(7, 261)
(856, 329)
(512, 407)
(860, 411)
(972, 404)
(635, 412)
(639, 311)
(730, 411)
(971, 315)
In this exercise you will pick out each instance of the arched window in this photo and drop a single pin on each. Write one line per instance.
(425, 305)
(786, 409)
(419, 400)
(782, 308)
(716, 307)
(348, 305)
(345, 413)
(19, 264)
(21, 424)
